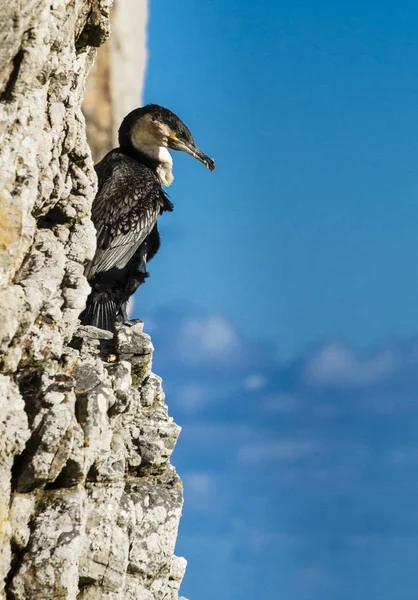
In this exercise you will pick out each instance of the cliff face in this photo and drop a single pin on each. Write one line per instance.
(115, 83)
(89, 504)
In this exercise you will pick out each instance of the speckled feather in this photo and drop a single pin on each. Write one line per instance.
(125, 210)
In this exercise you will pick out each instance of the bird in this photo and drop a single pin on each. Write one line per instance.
(130, 197)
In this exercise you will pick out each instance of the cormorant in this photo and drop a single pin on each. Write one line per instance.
(129, 200)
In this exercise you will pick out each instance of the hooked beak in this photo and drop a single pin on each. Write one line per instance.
(190, 148)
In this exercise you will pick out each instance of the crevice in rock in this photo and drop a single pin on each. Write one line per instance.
(17, 555)
(30, 386)
(17, 559)
(16, 469)
(71, 475)
(13, 73)
(55, 216)
(93, 33)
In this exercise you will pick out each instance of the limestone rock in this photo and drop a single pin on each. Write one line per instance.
(95, 501)
(89, 502)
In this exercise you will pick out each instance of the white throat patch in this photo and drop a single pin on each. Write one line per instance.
(165, 168)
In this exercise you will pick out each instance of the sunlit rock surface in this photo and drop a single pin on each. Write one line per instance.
(89, 503)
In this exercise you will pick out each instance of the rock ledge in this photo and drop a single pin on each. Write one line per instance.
(97, 503)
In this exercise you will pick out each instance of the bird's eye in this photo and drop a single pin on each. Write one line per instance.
(180, 135)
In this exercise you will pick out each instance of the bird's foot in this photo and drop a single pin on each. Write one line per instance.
(131, 322)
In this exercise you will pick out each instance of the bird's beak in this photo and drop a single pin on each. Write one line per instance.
(191, 148)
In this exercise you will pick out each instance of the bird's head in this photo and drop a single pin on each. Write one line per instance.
(153, 127)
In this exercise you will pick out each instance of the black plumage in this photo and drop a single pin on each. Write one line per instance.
(129, 200)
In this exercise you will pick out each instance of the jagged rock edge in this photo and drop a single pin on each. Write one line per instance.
(54, 529)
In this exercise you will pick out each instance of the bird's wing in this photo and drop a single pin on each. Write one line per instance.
(124, 212)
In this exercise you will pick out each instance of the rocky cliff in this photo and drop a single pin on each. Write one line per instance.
(89, 504)
(115, 83)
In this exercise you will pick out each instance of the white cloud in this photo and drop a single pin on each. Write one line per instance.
(210, 335)
(286, 450)
(203, 492)
(254, 382)
(287, 541)
(193, 396)
(283, 403)
(336, 364)
(198, 485)
(207, 432)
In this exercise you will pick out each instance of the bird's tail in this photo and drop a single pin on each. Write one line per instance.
(100, 312)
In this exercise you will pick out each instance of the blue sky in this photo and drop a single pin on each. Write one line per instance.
(300, 479)
(283, 300)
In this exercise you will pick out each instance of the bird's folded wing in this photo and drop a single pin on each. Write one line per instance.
(124, 212)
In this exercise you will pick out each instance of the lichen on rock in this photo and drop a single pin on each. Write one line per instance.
(102, 501)
(89, 503)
